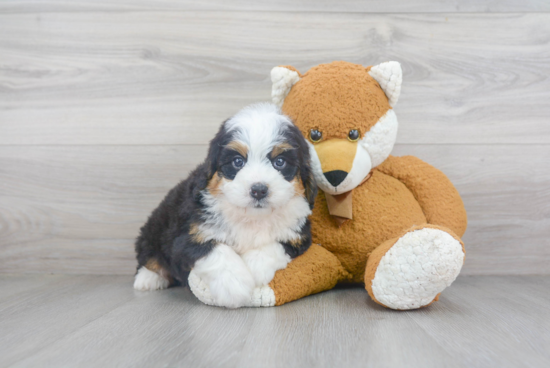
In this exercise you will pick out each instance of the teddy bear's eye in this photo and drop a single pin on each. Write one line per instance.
(353, 135)
(315, 135)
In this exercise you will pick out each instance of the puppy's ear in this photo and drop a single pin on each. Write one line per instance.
(210, 166)
(214, 150)
(306, 173)
(310, 185)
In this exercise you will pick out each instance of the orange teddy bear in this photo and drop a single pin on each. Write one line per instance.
(392, 223)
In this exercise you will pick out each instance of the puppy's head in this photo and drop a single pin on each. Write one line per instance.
(260, 161)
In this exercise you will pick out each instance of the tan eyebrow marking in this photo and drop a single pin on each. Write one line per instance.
(238, 147)
(280, 148)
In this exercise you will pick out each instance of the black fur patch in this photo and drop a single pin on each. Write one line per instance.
(303, 161)
(225, 163)
(296, 248)
(292, 162)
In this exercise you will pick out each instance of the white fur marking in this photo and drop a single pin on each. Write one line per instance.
(227, 277)
(148, 280)
(283, 79)
(420, 265)
(265, 261)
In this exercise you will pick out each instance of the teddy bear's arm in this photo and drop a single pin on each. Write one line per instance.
(314, 271)
(434, 192)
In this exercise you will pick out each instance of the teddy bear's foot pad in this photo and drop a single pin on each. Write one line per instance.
(261, 297)
(419, 266)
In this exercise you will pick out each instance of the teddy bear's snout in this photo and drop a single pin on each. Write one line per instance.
(335, 177)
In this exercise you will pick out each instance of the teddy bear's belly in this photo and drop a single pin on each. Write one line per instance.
(382, 209)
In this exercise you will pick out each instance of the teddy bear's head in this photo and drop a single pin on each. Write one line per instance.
(345, 112)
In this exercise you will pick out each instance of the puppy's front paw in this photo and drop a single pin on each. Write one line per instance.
(261, 296)
(148, 280)
(229, 292)
(232, 289)
(265, 261)
(227, 277)
(200, 289)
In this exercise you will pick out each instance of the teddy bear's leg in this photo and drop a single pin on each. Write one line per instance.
(314, 271)
(410, 271)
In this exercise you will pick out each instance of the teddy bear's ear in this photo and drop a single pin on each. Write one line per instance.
(390, 76)
(283, 78)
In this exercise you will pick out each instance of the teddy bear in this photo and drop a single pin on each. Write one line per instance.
(391, 223)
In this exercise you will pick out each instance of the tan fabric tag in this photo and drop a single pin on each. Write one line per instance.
(340, 206)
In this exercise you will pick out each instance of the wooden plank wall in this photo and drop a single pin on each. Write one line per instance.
(105, 105)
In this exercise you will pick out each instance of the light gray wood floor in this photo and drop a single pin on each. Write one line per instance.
(100, 321)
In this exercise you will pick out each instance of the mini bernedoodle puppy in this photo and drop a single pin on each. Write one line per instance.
(239, 217)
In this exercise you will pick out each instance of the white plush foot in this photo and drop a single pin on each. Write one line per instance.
(265, 261)
(420, 265)
(261, 296)
(149, 280)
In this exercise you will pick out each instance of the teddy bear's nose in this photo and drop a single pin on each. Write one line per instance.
(335, 177)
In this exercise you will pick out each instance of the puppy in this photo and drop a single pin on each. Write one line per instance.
(239, 216)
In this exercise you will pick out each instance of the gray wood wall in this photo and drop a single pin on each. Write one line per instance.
(105, 105)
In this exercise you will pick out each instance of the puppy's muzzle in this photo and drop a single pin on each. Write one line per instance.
(259, 191)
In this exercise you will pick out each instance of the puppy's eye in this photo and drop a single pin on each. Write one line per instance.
(353, 135)
(238, 162)
(315, 135)
(279, 163)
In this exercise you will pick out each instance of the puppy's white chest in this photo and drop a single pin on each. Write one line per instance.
(244, 236)
(250, 237)
(245, 229)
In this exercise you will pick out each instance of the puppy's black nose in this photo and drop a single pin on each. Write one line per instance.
(258, 191)
(335, 177)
